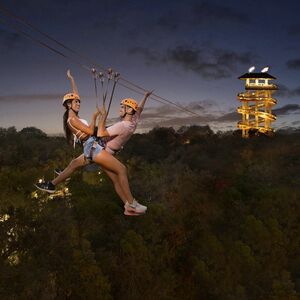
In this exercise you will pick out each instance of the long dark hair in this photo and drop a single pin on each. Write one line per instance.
(67, 130)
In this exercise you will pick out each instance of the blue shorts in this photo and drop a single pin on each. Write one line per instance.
(87, 147)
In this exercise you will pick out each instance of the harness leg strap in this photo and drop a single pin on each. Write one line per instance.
(93, 148)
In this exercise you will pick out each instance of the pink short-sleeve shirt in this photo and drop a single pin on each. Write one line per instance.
(120, 133)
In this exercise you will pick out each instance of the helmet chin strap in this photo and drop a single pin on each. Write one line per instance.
(126, 113)
(76, 112)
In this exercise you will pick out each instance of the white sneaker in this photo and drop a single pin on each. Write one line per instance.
(134, 208)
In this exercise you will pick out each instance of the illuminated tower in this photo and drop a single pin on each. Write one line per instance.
(257, 103)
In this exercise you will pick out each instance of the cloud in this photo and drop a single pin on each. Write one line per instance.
(293, 64)
(286, 109)
(151, 56)
(196, 106)
(231, 116)
(295, 92)
(169, 116)
(295, 123)
(161, 111)
(173, 121)
(208, 62)
(29, 97)
(164, 111)
(284, 91)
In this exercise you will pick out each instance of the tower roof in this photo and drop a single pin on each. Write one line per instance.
(256, 75)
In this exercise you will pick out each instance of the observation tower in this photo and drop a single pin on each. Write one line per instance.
(257, 103)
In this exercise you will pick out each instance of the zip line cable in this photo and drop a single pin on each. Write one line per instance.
(138, 92)
(153, 96)
(16, 28)
(22, 20)
(166, 100)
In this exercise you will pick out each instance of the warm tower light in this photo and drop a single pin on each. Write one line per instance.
(265, 69)
(257, 103)
(251, 69)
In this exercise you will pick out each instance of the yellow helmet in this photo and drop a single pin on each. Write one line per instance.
(70, 96)
(130, 102)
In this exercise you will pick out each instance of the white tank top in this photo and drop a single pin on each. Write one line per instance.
(78, 133)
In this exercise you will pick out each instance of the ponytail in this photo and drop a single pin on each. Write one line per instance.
(67, 130)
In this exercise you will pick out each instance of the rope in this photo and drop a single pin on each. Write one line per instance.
(116, 75)
(95, 85)
(109, 77)
(101, 78)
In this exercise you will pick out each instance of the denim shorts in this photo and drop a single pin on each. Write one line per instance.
(87, 146)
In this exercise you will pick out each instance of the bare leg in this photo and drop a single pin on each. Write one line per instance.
(73, 165)
(110, 163)
(115, 181)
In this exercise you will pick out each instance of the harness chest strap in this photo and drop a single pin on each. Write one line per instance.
(77, 131)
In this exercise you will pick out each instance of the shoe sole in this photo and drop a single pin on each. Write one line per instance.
(131, 209)
(135, 212)
(44, 190)
(129, 213)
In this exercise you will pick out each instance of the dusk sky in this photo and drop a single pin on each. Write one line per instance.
(190, 52)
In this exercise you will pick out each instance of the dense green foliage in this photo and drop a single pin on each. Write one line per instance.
(223, 220)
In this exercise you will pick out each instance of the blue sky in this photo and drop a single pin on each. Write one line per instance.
(190, 52)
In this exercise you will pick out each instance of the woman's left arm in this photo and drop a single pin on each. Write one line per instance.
(73, 84)
(102, 132)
